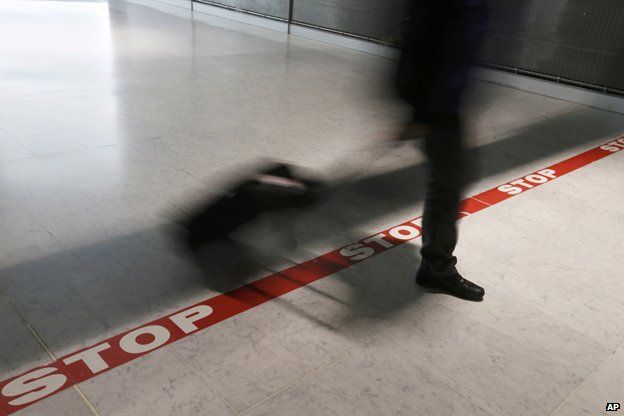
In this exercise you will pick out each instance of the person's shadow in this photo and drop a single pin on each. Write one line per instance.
(384, 286)
(117, 282)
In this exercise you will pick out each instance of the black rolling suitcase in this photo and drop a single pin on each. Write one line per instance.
(272, 188)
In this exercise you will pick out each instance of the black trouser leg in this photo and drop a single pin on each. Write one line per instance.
(447, 177)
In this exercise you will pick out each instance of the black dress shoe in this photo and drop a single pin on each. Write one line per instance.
(453, 285)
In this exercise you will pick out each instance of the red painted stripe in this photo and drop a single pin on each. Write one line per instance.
(270, 287)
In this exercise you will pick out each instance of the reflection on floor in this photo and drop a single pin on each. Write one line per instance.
(115, 118)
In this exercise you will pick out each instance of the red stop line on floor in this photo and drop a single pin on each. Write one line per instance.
(34, 385)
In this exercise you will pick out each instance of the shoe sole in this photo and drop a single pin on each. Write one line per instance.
(431, 288)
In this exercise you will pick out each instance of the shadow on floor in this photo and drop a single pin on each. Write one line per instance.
(94, 291)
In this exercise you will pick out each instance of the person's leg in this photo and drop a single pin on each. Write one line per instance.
(448, 174)
(447, 169)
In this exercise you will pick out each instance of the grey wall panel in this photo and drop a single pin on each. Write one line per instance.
(275, 8)
(367, 18)
(580, 40)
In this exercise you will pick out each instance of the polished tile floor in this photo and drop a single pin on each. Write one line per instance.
(115, 118)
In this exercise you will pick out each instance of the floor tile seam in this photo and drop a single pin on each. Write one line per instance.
(27, 99)
(567, 108)
(238, 30)
(19, 159)
(293, 307)
(21, 145)
(344, 395)
(493, 82)
(529, 348)
(6, 135)
(452, 379)
(11, 305)
(34, 331)
(90, 310)
(416, 365)
(86, 400)
(316, 370)
(504, 131)
(587, 380)
(286, 387)
(78, 116)
(545, 117)
(199, 375)
(571, 394)
(545, 311)
(348, 351)
(611, 296)
(282, 48)
(587, 337)
(429, 373)
(277, 392)
(81, 148)
(68, 152)
(28, 326)
(286, 350)
(19, 137)
(452, 386)
(48, 351)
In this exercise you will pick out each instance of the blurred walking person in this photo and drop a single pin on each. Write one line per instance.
(441, 40)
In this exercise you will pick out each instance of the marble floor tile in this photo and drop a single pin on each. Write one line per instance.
(317, 327)
(536, 241)
(45, 292)
(604, 386)
(157, 384)
(23, 237)
(383, 382)
(533, 329)
(309, 397)
(11, 149)
(240, 362)
(65, 403)
(122, 116)
(19, 349)
(499, 374)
